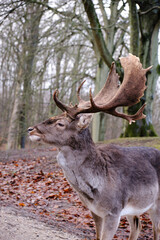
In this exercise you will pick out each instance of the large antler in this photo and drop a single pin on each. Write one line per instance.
(113, 95)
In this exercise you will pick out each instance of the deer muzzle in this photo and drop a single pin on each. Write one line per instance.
(34, 135)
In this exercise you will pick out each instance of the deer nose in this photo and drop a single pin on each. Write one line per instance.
(30, 129)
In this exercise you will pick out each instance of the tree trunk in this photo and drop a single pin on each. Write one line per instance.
(134, 28)
(31, 34)
(26, 56)
(98, 125)
(13, 126)
(152, 78)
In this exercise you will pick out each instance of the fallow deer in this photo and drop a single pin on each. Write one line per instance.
(111, 181)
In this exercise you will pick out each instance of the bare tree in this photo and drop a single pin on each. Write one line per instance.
(26, 55)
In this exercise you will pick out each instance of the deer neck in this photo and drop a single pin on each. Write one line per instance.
(71, 157)
(79, 147)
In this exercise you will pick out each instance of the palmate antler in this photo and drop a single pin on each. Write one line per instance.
(113, 95)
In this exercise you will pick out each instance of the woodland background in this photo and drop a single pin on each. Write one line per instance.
(49, 44)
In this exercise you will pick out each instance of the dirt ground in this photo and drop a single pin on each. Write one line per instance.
(17, 226)
(36, 201)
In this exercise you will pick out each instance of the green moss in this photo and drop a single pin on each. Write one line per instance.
(139, 129)
(158, 69)
(157, 146)
(136, 141)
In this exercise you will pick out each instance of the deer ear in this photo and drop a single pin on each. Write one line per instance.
(84, 120)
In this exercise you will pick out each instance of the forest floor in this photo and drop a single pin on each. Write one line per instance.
(37, 202)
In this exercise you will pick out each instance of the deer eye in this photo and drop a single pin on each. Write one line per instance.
(60, 124)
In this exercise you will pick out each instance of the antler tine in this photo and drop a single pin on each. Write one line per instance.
(71, 111)
(148, 69)
(59, 104)
(93, 105)
(94, 108)
(130, 118)
(78, 91)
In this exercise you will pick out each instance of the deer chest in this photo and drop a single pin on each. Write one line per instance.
(75, 178)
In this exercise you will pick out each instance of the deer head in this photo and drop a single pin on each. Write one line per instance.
(60, 130)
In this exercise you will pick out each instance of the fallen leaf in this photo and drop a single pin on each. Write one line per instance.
(22, 204)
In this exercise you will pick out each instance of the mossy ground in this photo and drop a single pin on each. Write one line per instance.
(137, 141)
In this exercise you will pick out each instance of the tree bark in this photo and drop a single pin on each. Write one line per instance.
(97, 33)
(26, 56)
(13, 126)
(153, 76)
(134, 28)
(31, 34)
(98, 131)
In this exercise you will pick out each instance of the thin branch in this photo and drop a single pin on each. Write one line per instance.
(10, 12)
(149, 10)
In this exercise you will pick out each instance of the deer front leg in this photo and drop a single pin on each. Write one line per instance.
(109, 227)
(135, 226)
(98, 223)
(155, 216)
